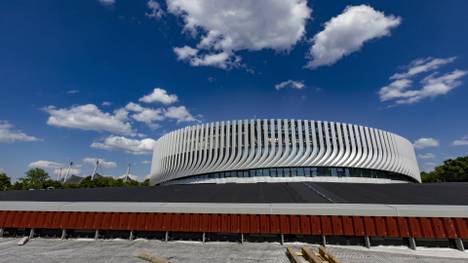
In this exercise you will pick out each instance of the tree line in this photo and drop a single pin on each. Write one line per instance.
(452, 170)
(37, 178)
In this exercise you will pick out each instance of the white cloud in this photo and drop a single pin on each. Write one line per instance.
(9, 135)
(463, 141)
(55, 167)
(128, 145)
(89, 117)
(145, 115)
(159, 95)
(293, 84)
(421, 65)
(155, 10)
(426, 156)
(107, 2)
(45, 164)
(432, 85)
(146, 162)
(106, 103)
(73, 91)
(180, 113)
(103, 163)
(226, 26)
(347, 32)
(425, 143)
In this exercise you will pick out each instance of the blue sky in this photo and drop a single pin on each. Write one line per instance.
(81, 80)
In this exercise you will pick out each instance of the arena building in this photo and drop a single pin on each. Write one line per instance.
(268, 180)
(282, 150)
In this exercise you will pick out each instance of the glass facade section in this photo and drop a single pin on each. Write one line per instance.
(305, 172)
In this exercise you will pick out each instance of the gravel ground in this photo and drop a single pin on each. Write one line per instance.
(41, 250)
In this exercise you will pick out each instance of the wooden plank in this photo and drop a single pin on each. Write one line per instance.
(294, 255)
(327, 255)
(309, 254)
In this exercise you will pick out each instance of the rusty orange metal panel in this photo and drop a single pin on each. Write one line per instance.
(315, 225)
(205, 223)
(235, 223)
(245, 224)
(155, 222)
(426, 227)
(348, 226)
(68, 220)
(275, 226)
(392, 227)
(22, 223)
(438, 227)
(358, 226)
(415, 228)
(88, 222)
(114, 223)
(254, 224)
(30, 219)
(105, 221)
(380, 227)
(337, 225)
(225, 224)
(3, 215)
(56, 220)
(449, 226)
(195, 225)
(185, 223)
(327, 228)
(166, 222)
(140, 221)
(461, 227)
(16, 219)
(305, 225)
(41, 220)
(8, 218)
(131, 221)
(81, 220)
(295, 223)
(176, 222)
(122, 219)
(369, 226)
(403, 227)
(285, 226)
(264, 224)
(215, 224)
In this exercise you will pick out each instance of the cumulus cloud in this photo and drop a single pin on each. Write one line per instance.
(347, 33)
(426, 156)
(433, 84)
(106, 103)
(89, 117)
(422, 143)
(103, 163)
(461, 142)
(159, 95)
(8, 134)
(107, 2)
(133, 146)
(225, 26)
(54, 167)
(155, 10)
(146, 115)
(181, 114)
(292, 84)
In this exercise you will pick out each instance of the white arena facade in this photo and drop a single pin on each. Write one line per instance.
(282, 150)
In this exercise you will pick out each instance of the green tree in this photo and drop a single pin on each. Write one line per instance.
(36, 178)
(5, 181)
(452, 170)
